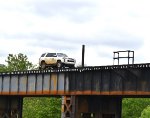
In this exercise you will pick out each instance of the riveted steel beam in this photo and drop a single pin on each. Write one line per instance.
(101, 80)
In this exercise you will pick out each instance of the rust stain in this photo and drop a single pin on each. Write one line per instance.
(53, 92)
(95, 93)
(5, 93)
(129, 92)
(54, 81)
(105, 93)
(143, 93)
(38, 92)
(13, 93)
(61, 92)
(79, 92)
(116, 93)
(87, 92)
(22, 93)
(30, 92)
(46, 92)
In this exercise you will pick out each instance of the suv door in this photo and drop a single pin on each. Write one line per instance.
(51, 58)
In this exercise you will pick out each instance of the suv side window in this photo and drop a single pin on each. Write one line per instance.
(61, 55)
(42, 55)
(51, 55)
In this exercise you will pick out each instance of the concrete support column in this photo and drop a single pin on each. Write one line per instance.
(11, 107)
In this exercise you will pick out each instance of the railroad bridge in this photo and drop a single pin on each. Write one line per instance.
(87, 92)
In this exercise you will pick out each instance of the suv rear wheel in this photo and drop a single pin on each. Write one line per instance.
(43, 65)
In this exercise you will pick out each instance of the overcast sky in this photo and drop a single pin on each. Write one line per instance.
(33, 27)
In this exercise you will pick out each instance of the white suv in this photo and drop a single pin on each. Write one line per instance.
(55, 60)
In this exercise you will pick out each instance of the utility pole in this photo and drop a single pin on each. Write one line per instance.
(83, 51)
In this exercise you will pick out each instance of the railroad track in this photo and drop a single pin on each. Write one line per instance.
(80, 69)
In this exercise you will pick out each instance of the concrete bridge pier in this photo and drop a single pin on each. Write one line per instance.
(11, 107)
(92, 107)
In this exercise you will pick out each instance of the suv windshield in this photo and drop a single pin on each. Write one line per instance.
(61, 55)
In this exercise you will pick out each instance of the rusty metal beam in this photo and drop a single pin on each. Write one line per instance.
(104, 80)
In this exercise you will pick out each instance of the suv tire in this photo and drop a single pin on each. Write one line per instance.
(59, 64)
(43, 65)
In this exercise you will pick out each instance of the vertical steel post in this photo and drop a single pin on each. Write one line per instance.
(20, 106)
(133, 58)
(118, 58)
(128, 57)
(83, 51)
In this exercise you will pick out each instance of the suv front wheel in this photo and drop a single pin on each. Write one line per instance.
(59, 64)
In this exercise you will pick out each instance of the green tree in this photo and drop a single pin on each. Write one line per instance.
(18, 62)
(42, 107)
(132, 107)
(146, 112)
(2, 69)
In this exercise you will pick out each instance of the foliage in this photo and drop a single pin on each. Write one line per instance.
(42, 107)
(132, 107)
(3, 68)
(18, 62)
(146, 112)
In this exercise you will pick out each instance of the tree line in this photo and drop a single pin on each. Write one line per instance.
(50, 107)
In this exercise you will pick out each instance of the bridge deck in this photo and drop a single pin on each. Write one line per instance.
(101, 80)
